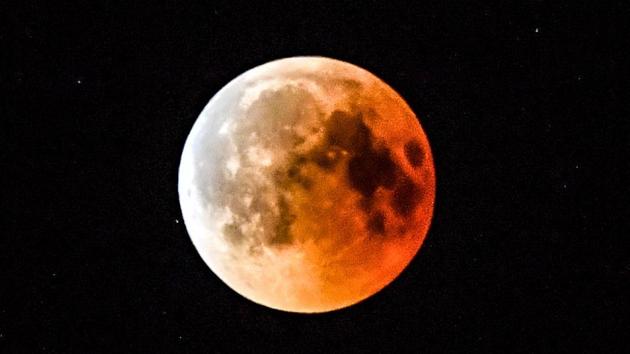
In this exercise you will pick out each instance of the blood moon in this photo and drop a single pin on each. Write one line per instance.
(307, 184)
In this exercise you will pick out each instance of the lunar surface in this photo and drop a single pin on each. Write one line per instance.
(307, 184)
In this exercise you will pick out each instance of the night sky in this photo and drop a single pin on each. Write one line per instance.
(521, 105)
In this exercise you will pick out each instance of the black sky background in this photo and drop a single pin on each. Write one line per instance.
(522, 106)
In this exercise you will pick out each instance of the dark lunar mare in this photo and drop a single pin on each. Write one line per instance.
(369, 167)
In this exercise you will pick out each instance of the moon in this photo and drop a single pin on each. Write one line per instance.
(307, 184)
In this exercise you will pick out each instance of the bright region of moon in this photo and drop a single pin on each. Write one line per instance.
(307, 184)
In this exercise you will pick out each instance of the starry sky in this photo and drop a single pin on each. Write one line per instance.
(520, 102)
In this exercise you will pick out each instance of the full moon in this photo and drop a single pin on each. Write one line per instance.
(307, 184)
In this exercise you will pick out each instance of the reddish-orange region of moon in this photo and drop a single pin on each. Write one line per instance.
(353, 261)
